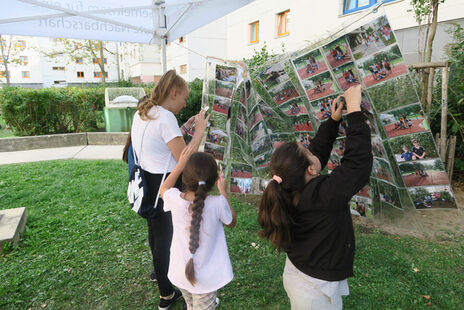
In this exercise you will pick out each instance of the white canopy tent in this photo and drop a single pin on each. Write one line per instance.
(140, 21)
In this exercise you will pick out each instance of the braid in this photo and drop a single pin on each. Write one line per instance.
(197, 211)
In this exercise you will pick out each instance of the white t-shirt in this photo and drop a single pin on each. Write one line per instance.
(161, 129)
(212, 266)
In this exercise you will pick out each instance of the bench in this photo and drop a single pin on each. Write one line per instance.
(12, 223)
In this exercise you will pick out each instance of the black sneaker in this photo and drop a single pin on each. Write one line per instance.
(153, 276)
(167, 303)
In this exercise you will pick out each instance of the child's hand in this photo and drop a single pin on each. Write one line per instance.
(353, 98)
(185, 155)
(337, 114)
(222, 184)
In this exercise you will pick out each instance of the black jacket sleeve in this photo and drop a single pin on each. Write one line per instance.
(321, 145)
(356, 165)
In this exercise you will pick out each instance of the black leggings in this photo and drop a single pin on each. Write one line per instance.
(160, 236)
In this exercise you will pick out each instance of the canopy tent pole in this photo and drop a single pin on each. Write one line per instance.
(161, 29)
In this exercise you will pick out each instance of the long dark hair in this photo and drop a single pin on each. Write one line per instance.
(201, 167)
(288, 162)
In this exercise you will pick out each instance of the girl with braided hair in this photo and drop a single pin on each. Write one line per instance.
(199, 263)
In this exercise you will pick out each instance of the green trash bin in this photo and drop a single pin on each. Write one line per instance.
(119, 113)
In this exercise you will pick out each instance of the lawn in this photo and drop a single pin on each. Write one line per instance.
(83, 248)
(3, 132)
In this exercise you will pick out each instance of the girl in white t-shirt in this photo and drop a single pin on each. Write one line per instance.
(199, 263)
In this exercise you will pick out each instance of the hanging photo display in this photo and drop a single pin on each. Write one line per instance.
(256, 109)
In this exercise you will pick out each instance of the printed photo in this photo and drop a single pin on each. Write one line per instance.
(262, 160)
(218, 120)
(217, 136)
(302, 123)
(323, 107)
(362, 206)
(239, 185)
(224, 89)
(382, 66)
(216, 151)
(389, 194)
(378, 150)
(262, 145)
(371, 38)
(262, 184)
(251, 101)
(320, 86)
(365, 103)
(243, 96)
(417, 146)
(280, 138)
(242, 113)
(334, 161)
(304, 138)
(310, 64)
(241, 129)
(431, 197)
(238, 170)
(346, 76)
(294, 107)
(226, 74)
(338, 52)
(240, 150)
(283, 92)
(381, 170)
(267, 111)
(277, 125)
(393, 94)
(403, 121)
(424, 172)
(258, 132)
(273, 75)
(221, 105)
(366, 191)
(339, 147)
(255, 116)
(371, 122)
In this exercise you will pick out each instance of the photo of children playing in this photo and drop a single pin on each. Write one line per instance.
(424, 172)
(361, 206)
(320, 86)
(310, 64)
(216, 151)
(221, 105)
(262, 145)
(255, 116)
(382, 66)
(226, 74)
(337, 52)
(294, 107)
(217, 136)
(339, 147)
(346, 76)
(283, 92)
(432, 197)
(366, 191)
(414, 147)
(224, 89)
(323, 107)
(389, 194)
(304, 138)
(378, 149)
(240, 170)
(242, 186)
(267, 111)
(371, 37)
(273, 75)
(241, 113)
(280, 138)
(241, 129)
(263, 159)
(405, 120)
(381, 170)
(257, 132)
(394, 93)
(302, 123)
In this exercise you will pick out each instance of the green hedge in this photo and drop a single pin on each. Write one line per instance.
(52, 110)
(45, 111)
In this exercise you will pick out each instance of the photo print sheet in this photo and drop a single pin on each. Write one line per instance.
(289, 97)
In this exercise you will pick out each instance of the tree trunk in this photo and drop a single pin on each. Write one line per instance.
(102, 63)
(7, 73)
(428, 52)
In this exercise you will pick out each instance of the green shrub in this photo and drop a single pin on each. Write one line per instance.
(52, 110)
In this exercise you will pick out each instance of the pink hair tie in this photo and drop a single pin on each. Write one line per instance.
(277, 178)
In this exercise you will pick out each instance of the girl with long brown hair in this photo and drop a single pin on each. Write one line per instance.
(200, 263)
(157, 142)
(307, 215)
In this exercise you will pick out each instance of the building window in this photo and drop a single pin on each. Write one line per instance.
(98, 60)
(254, 30)
(99, 74)
(23, 60)
(4, 74)
(282, 19)
(80, 74)
(350, 6)
(21, 44)
(183, 69)
(182, 39)
(58, 68)
(79, 61)
(26, 74)
(61, 82)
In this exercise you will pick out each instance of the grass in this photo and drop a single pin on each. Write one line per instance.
(3, 132)
(83, 248)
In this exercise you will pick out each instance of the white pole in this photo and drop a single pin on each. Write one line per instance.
(163, 47)
(161, 30)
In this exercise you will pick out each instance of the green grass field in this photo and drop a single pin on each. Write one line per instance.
(83, 248)
(3, 132)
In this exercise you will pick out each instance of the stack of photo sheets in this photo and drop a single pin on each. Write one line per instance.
(256, 109)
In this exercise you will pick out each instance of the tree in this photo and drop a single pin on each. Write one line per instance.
(9, 51)
(79, 51)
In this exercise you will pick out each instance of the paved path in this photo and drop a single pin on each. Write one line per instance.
(72, 152)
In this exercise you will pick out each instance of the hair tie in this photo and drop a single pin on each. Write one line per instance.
(201, 183)
(277, 178)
